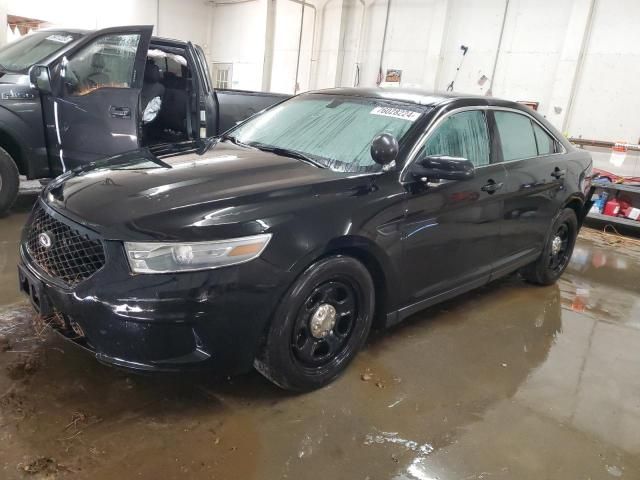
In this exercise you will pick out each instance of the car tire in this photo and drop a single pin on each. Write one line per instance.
(9, 181)
(555, 256)
(321, 323)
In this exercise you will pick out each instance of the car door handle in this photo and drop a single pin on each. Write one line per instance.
(491, 187)
(558, 174)
(120, 112)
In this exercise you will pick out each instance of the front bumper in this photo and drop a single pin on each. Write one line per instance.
(212, 319)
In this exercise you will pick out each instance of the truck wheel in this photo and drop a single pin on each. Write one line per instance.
(557, 251)
(9, 181)
(319, 326)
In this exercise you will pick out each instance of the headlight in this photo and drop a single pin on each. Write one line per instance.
(152, 257)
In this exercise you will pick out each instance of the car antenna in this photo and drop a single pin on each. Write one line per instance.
(464, 49)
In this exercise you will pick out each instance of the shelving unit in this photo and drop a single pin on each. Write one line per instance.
(634, 190)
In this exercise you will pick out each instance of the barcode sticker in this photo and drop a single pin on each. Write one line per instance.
(408, 115)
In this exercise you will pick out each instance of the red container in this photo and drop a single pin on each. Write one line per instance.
(625, 203)
(612, 207)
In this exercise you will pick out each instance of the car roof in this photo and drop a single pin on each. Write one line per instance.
(413, 95)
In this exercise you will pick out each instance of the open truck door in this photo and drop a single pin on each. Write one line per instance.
(205, 101)
(93, 108)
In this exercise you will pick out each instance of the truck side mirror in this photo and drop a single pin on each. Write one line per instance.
(40, 78)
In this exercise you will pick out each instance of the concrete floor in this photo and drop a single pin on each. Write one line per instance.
(510, 382)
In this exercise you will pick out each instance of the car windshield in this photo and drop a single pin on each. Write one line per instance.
(334, 131)
(18, 56)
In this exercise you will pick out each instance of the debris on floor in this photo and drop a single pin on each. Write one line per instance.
(25, 365)
(42, 465)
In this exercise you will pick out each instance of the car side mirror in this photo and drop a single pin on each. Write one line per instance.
(40, 78)
(443, 167)
(384, 148)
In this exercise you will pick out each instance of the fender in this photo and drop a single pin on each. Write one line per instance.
(22, 135)
(366, 250)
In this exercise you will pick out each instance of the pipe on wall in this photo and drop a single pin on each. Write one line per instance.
(321, 30)
(363, 17)
(304, 4)
(269, 41)
(579, 65)
(384, 39)
(495, 61)
(296, 86)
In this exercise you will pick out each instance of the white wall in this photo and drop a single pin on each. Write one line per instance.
(4, 28)
(327, 44)
(180, 19)
(238, 33)
(539, 58)
(607, 103)
(240, 43)
(285, 50)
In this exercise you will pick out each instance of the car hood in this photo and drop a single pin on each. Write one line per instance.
(227, 191)
(11, 79)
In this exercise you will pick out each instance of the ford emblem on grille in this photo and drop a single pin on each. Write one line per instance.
(45, 240)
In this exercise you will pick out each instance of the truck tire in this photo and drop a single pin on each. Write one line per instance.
(9, 181)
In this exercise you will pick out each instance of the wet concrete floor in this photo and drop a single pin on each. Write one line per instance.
(509, 382)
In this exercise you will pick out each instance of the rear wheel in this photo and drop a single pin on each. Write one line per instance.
(557, 251)
(319, 326)
(9, 181)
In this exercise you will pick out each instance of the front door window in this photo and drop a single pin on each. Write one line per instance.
(463, 135)
(109, 61)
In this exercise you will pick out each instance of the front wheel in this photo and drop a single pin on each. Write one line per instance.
(319, 326)
(557, 251)
(9, 181)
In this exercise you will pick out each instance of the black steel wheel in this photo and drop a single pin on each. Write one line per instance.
(556, 252)
(319, 326)
(559, 250)
(324, 322)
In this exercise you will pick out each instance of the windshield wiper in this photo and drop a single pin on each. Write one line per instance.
(208, 144)
(234, 140)
(285, 152)
(120, 160)
(211, 142)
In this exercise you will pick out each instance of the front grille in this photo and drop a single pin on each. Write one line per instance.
(68, 254)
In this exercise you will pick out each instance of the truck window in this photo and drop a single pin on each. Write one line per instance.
(170, 89)
(22, 54)
(106, 62)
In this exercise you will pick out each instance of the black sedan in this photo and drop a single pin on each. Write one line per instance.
(280, 244)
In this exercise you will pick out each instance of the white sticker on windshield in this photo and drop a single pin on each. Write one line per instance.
(60, 38)
(396, 113)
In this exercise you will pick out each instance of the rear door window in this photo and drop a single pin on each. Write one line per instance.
(462, 135)
(516, 136)
(546, 144)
